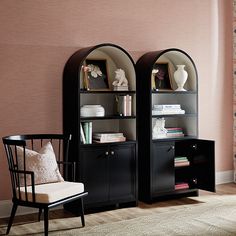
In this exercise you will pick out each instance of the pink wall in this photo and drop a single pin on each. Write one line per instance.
(37, 37)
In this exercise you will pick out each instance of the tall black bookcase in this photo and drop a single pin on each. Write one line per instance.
(108, 170)
(158, 174)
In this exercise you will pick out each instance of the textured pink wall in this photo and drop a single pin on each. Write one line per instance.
(37, 37)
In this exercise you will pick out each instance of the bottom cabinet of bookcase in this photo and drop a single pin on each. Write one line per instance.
(108, 172)
(165, 177)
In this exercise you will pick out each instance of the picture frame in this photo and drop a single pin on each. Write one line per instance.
(161, 76)
(96, 74)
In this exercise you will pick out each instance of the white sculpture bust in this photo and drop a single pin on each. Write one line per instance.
(120, 79)
(159, 130)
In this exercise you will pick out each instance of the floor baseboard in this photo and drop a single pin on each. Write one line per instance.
(223, 177)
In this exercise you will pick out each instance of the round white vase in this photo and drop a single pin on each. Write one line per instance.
(180, 76)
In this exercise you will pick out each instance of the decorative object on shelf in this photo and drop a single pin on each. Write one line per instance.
(154, 72)
(167, 109)
(180, 77)
(120, 83)
(95, 74)
(159, 130)
(161, 77)
(124, 105)
(92, 111)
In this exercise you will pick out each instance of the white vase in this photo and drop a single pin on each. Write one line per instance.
(180, 77)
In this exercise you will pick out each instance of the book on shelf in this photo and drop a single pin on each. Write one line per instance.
(124, 105)
(179, 164)
(167, 109)
(167, 106)
(111, 140)
(120, 88)
(82, 136)
(174, 132)
(181, 161)
(181, 185)
(108, 134)
(108, 137)
(86, 132)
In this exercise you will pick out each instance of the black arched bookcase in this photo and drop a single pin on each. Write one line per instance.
(175, 162)
(108, 169)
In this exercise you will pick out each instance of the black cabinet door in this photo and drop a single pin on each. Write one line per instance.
(202, 157)
(162, 167)
(94, 173)
(122, 172)
(204, 164)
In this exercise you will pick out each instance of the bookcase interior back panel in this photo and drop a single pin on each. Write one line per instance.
(187, 123)
(187, 101)
(108, 101)
(128, 127)
(116, 59)
(174, 58)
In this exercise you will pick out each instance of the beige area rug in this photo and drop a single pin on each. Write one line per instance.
(213, 215)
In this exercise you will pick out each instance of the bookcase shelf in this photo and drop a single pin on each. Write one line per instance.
(108, 92)
(174, 92)
(158, 176)
(176, 115)
(110, 143)
(186, 137)
(100, 164)
(116, 117)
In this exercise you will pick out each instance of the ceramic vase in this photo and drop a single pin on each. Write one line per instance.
(180, 76)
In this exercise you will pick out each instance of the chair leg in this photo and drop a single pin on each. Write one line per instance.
(46, 221)
(40, 213)
(82, 212)
(13, 212)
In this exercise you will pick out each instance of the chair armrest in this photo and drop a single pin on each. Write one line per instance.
(24, 172)
(22, 183)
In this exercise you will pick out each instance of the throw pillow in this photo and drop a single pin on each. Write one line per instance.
(42, 163)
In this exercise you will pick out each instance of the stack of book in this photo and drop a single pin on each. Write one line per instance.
(86, 132)
(181, 185)
(108, 137)
(124, 105)
(167, 109)
(174, 132)
(181, 161)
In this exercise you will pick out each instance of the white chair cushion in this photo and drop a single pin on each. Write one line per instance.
(52, 192)
(42, 163)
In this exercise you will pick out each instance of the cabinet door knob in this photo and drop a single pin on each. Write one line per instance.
(171, 148)
(194, 146)
(112, 152)
(106, 153)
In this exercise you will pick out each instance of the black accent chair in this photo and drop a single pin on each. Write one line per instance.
(26, 191)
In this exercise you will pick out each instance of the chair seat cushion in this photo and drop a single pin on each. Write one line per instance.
(52, 192)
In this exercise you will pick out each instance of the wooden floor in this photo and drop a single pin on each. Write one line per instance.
(126, 213)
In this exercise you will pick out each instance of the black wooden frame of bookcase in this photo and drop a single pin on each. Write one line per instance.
(144, 68)
(71, 117)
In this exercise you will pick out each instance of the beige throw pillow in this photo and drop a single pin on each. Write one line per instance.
(42, 163)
